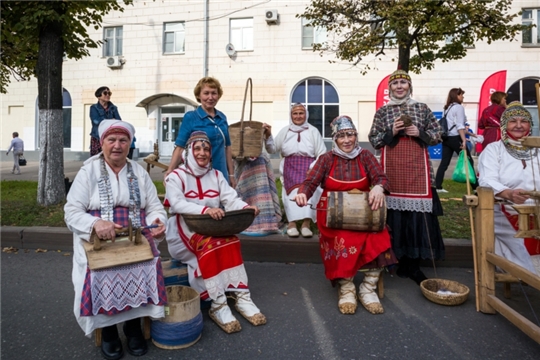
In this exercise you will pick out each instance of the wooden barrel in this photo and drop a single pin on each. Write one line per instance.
(183, 322)
(351, 211)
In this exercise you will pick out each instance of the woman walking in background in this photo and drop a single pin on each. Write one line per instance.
(456, 141)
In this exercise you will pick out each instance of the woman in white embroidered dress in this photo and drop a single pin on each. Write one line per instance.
(508, 167)
(108, 191)
(300, 144)
(215, 264)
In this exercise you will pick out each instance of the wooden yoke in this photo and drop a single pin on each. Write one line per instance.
(485, 231)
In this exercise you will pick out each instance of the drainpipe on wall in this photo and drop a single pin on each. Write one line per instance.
(206, 26)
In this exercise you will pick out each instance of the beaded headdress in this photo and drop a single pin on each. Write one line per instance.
(341, 123)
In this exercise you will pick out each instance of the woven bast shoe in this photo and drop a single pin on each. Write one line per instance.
(247, 308)
(347, 303)
(221, 313)
(366, 293)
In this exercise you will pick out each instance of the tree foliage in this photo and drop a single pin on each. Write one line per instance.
(22, 21)
(419, 29)
(35, 37)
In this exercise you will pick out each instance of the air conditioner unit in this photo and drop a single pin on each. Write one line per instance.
(271, 16)
(115, 62)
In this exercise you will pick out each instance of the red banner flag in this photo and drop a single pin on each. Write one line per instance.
(495, 82)
(382, 94)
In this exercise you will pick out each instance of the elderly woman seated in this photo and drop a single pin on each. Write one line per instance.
(509, 168)
(107, 192)
(215, 264)
(344, 252)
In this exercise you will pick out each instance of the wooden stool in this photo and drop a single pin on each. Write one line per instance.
(380, 285)
(146, 331)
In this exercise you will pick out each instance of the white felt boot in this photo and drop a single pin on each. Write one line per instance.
(367, 295)
(347, 296)
(247, 308)
(221, 313)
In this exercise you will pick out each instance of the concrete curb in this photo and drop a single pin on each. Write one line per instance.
(272, 248)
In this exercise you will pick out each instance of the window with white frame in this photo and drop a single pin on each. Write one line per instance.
(531, 36)
(112, 41)
(241, 34)
(321, 100)
(312, 34)
(174, 37)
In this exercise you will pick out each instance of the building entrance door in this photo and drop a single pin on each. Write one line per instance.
(171, 119)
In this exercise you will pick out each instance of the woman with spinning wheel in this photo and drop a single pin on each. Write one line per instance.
(109, 192)
(510, 169)
(348, 167)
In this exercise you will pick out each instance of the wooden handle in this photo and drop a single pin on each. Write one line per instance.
(249, 85)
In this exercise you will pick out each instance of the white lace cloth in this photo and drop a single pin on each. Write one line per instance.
(122, 286)
(220, 283)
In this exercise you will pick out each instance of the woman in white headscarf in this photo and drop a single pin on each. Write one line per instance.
(403, 129)
(108, 191)
(300, 144)
(215, 264)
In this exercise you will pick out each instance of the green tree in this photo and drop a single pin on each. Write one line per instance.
(419, 29)
(35, 35)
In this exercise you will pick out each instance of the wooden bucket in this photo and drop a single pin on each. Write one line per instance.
(246, 137)
(350, 210)
(183, 322)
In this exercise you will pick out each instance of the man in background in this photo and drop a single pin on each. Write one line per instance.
(18, 148)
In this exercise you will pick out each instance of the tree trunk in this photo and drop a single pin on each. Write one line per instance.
(403, 58)
(51, 188)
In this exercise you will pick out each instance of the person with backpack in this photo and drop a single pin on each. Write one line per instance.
(454, 115)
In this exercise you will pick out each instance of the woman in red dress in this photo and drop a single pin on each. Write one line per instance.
(344, 252)
(490, 121)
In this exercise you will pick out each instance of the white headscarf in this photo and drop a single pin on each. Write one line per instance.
(108, 126)
(396, 75)
(190, 163)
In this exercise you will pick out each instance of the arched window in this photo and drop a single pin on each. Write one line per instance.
(524, 91)
(66, 109)
(321, 100)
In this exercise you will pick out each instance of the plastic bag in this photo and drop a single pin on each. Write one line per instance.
(460, 172)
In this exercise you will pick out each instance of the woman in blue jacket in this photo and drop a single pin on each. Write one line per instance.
(103, 109)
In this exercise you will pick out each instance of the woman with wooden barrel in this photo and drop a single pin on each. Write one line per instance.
(346, 168)
(215, 264)
(109, 192)
(403, 129)
(300, 144)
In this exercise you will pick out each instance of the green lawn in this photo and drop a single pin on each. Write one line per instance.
(19, 208)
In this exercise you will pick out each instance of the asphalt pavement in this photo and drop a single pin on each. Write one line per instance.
(303, 319)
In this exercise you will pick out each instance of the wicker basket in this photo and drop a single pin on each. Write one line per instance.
(246, 137)
(430, 287)
(233, 223)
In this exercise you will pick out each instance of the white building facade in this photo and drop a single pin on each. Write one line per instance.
(155, 52)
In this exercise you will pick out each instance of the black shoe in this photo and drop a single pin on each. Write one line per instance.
(136, 345)
(418, 276)
(112, 350)
(403, 271)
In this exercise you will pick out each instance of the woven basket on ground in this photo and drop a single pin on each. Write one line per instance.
(233, 222)
(430, 287)
(246, 137)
